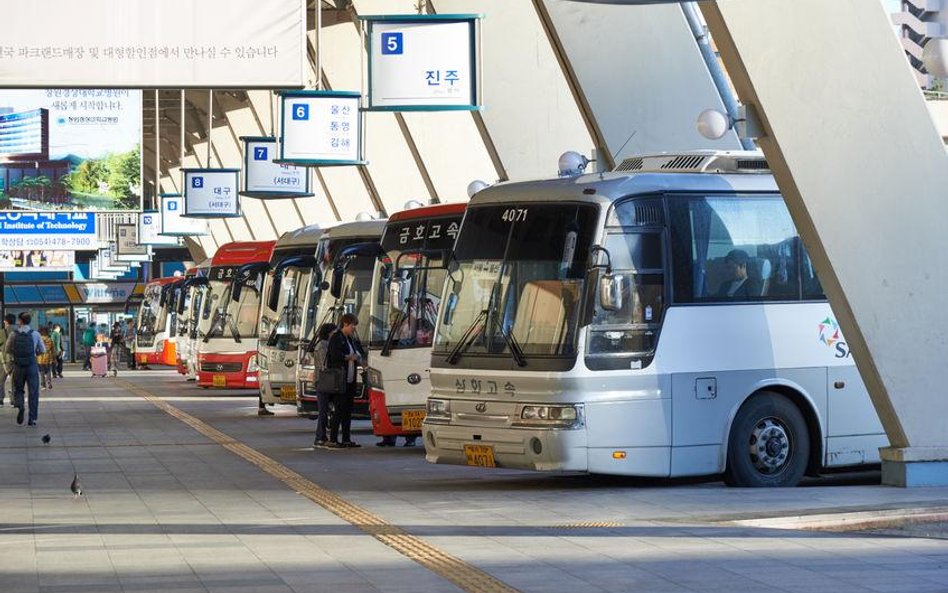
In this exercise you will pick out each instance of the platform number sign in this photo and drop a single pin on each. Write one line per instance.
(260, 153)
(173, 206)
(197, 182)
(392, 44)
(300, 111)
(267, 180)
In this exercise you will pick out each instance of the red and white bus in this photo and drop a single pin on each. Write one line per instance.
(154, 343)
(409, 278)
(187, 312)
(227, 328)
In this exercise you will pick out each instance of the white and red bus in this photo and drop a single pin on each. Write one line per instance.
(227, 328)
(190, 295)
(155, 325)
(409, 278)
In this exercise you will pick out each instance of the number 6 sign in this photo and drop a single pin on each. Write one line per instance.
(322, 127)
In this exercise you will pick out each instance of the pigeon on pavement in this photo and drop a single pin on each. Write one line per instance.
(76, 487)
(46, 439)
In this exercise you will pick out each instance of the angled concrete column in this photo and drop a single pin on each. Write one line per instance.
(864, 174)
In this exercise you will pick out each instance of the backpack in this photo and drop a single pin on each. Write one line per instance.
(24, 351)
(88, 336)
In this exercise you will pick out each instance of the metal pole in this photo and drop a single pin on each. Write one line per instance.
(157, 151)
(319, 47)
(210, 125)
(714, 67)
(181, 156)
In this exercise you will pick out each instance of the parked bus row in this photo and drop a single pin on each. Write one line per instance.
(660, 320)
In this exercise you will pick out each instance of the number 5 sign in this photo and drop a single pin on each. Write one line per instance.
(321, 128)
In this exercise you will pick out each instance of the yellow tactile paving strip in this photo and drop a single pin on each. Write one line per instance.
(452, 568)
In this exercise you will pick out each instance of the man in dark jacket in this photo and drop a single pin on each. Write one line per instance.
(344, 352)
(24, 347)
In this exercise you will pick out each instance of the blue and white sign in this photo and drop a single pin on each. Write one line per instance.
(105, 293)
(321, 128)
(173, 223)
(268, 180)
(149, 230)
(47, 230)
(423, 62)
(211, 193)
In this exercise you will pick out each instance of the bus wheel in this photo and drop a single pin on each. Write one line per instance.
(769, 445)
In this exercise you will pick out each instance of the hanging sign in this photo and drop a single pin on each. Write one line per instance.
(107, 261)
(69, 149)
(127, 247)
(149, 230)
(423, 62)
(47, 230)
(96, 273)
(37, 260)
(211, 193)
(321, 128)
(173, 222)
(268, 180)
(171, 44)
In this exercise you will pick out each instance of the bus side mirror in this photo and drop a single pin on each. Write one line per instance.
(398, 293)
(274, 296)
(610, 291)
(181, 299)
(236, 289)
(335, 288)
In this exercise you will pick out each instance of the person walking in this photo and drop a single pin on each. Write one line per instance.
(323, 334)
(45, 360)
(58, 353)
(6, 360)
(24, 347)
(130, 342)
(88, 341)
(117, 338)
(345, 353)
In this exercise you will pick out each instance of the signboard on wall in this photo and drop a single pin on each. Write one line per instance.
(149, 230)
(172, 43)
(114, 292)
(173, 222)
(423, 62)
(47, 230)
(70, 149)
(211, 193)
(268, 180)
(37, 260)
(321, 128)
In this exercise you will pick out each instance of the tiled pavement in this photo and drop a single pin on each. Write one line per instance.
(167, 509)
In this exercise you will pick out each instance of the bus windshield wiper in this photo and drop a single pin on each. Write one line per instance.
(390, 338)
(515, 350)
(467, 337)
(234, 330)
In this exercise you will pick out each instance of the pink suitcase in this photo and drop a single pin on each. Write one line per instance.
(100, 361)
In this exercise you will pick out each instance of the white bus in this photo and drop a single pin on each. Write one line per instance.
(417, 245)
(188, 306)
(346, 257)
(660, 320)
(281, 313)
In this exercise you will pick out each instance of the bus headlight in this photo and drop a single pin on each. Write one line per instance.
(373, 378)
(563, 416)
(262, 361)
(439, 409)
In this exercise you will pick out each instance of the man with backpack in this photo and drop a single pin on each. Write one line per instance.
(24, 347)
(88, 340)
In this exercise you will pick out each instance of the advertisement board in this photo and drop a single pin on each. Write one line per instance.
(149, 230)
(70, 149)
(47, 230)
(211, 193)
(265, 179)
(37, 260)
(114, 292)
(423, 62)
(172, 43)
(173, 222)
(321, 128)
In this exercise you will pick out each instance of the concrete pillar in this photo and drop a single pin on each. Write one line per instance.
(864, 174)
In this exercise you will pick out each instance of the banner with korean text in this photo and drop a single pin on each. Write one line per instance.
(171, 43)
(321, 128)
(47, 230)
(423, 62)
(265, 179)
(211, 193)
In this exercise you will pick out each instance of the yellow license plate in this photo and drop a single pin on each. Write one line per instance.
(288, 393)
(411, 420)
(480, 455)
(220, 381)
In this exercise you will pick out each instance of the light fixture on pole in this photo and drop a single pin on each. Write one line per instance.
(714, 124)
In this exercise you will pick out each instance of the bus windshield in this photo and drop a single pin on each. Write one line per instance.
(151, 317)
(281, 327)
(519, 280)
(214, 307)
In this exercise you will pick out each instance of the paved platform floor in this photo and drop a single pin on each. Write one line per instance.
(188, 490)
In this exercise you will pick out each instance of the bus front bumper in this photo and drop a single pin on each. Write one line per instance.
(540, 449)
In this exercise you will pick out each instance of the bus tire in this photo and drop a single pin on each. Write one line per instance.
(769, 444)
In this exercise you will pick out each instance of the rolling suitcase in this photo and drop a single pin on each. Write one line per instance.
(100, 361)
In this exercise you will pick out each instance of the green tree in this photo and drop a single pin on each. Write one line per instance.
(124, 174)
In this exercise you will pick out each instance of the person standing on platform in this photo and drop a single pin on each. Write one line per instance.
(45, 360)
(24, 347)
(6, 360)
(57, 337)
(319, 357)
(88, 341)
(345, 353)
